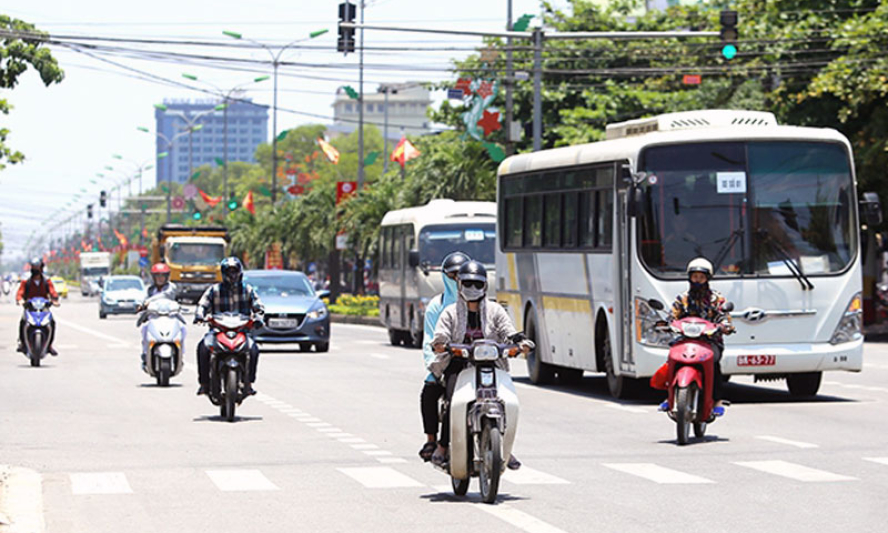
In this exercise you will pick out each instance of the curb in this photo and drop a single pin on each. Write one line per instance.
(356, 319)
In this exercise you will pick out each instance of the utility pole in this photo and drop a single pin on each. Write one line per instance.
(537, 89)
(361, 105)
(510, 80)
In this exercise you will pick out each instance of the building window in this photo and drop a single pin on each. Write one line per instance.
(348, 108)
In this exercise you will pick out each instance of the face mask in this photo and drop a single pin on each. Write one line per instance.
(449, 286)
(471, 294)
(696, 287)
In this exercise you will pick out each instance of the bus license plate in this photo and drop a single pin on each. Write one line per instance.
(756, 360)
(282, 322)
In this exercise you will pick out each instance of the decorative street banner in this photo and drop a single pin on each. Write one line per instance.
(404, 151)
(329, 150)
(345, 189)
(274, 259)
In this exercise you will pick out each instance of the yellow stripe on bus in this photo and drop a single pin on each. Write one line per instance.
(513, 277)
(571, 305)
(513, 303)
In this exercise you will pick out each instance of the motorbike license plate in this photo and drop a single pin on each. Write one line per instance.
(756, 360)
(283, 322)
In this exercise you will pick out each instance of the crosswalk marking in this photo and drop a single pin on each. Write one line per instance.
(780, 440)
(380, 477)
(529, 476)
(240, 480)
(794, 471)
(657, 473)
(100, 483)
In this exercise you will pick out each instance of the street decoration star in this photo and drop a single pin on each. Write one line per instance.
(485, 89)
(490, 122)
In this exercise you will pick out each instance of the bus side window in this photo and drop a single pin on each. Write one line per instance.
(397, 236)
(605, 214)
(552, 214)
(587, 219)
(514, 214)
(569, 235)
(533, 221)
(409, 239)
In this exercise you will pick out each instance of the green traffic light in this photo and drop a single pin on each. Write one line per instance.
(232, 204)
(197, 215)
(729, 51)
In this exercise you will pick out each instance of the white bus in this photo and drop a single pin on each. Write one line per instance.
(589, 233)
(413, 243)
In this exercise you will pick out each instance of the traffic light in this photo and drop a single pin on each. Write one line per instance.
(103, 199)
(346, 41)
(232, 203)
(89, 211)
(195, 212)
(728, 34)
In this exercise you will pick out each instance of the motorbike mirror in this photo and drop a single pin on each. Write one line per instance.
(728, 307)
(656, 304)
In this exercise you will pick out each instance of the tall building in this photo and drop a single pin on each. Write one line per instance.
(407, 106)
(246, 124)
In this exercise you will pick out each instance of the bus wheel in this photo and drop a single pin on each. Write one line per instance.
(394, 337)
(540, 373)
(617, 385)
(413, 337)
(804, 384)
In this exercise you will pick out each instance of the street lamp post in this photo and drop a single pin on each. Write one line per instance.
(139, 168)
(275, 62)
(169, 146)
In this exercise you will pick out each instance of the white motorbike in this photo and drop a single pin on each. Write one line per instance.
(163, 339)
(483, 418)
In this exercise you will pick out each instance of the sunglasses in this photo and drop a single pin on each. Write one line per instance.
(473, 284)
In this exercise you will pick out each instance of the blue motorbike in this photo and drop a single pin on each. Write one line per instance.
(38, 329)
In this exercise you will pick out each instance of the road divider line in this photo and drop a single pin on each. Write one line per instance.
(92, 332)
(657, 473)
(519, 519)
(240, 480)
(380, 477)
(99, 483)
(788, 442)
(794, 471)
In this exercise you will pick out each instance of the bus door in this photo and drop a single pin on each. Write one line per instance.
(623, 270)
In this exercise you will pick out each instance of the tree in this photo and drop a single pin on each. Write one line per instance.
(17, 53)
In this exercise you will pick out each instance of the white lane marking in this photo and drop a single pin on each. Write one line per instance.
(793, 471)
(100, 483)
(391, 460)
(365, 446)
(626, 408)
(22, 499)
(374, 453)
(67, 346)
(379, 356)
(92, 332)
(318, 425)
(519, 519)
(240, 480)
(657, 473)
(373, 343)
(291, 411)
(297, 416)
(338, 435)
(529, 476)
(330, 430)
(308, 419)
(780, 440)
(116, 346)
(349, 440)
(380, 477)
(880, 460)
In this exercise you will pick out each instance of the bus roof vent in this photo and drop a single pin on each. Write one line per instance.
(706, 118)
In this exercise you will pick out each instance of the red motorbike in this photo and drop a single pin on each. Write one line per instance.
(229, 354)
(688, 374)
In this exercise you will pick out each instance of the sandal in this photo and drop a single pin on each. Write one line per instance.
(440, 459)
(427, 450)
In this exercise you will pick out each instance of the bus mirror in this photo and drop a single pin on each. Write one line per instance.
(633, 201)
(871, 209)
(413, 258)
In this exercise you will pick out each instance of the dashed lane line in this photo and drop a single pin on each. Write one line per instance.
(794, 471)
(657, 474)
(380, 477)
(880, 460)
(99, 483)
(780, 440)
(240, 480)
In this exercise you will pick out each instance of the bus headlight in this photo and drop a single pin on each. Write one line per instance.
(645, 322)
(850, 327)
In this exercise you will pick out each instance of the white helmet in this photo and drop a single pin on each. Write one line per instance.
(700, 264)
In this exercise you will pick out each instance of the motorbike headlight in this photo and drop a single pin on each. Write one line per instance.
(486, 352)
(850, 326)
(645, 321)
(692, 329)
(317, 313)
(164, 350)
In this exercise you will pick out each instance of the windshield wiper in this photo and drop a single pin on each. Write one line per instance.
(787, 259)
(726, 247)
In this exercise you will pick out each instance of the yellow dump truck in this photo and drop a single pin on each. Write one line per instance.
(193, 254)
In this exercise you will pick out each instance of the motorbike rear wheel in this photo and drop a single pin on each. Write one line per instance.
(230, 403)
(164, 372)
(491, 462)
(683, 414)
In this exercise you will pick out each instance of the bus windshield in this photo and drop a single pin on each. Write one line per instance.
(751, 208)
(475, 240)
(189, 253)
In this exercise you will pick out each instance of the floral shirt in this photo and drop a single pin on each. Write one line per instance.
(707, 304)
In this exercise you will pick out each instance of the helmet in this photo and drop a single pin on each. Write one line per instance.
(472, 281)
(36, 266)
(700, 264)
(453, 261)
(232, 270)
(160, 268)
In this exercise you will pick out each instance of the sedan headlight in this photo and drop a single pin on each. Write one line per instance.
(645, 321)
(317, 313)
(109, 300)
(850, 327)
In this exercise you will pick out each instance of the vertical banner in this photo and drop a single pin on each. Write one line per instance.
(345, 189)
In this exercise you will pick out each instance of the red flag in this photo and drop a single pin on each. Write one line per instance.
(208, 199)
(248, 203)
(405, 151)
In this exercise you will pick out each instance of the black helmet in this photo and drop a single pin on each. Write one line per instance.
(453, 261)
(472, 271)
(36, 266)
(232, 270)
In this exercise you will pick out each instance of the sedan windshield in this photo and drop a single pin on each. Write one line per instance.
(755, 208)
(123, 285)
(284, 286)
(476, 241)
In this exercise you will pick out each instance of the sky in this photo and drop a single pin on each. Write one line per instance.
(69, 131)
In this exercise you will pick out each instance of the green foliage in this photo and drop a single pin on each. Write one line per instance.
(16, 56)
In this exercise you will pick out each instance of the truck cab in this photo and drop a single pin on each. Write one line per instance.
(193, 255)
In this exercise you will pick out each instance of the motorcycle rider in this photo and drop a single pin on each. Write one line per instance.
(472, 317)
(37, 286)
(232, 295)
(162, 288)
(703, 302)
(432, 390)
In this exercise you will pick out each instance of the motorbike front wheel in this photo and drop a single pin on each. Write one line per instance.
(35, 349)
(683, 414)
(491, 462)
(164, 372)
(230, 402)
(460, 486)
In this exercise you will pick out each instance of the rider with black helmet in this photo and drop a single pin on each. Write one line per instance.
(472, 317)
(37, 286)
(432, 390)
(230, 296)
